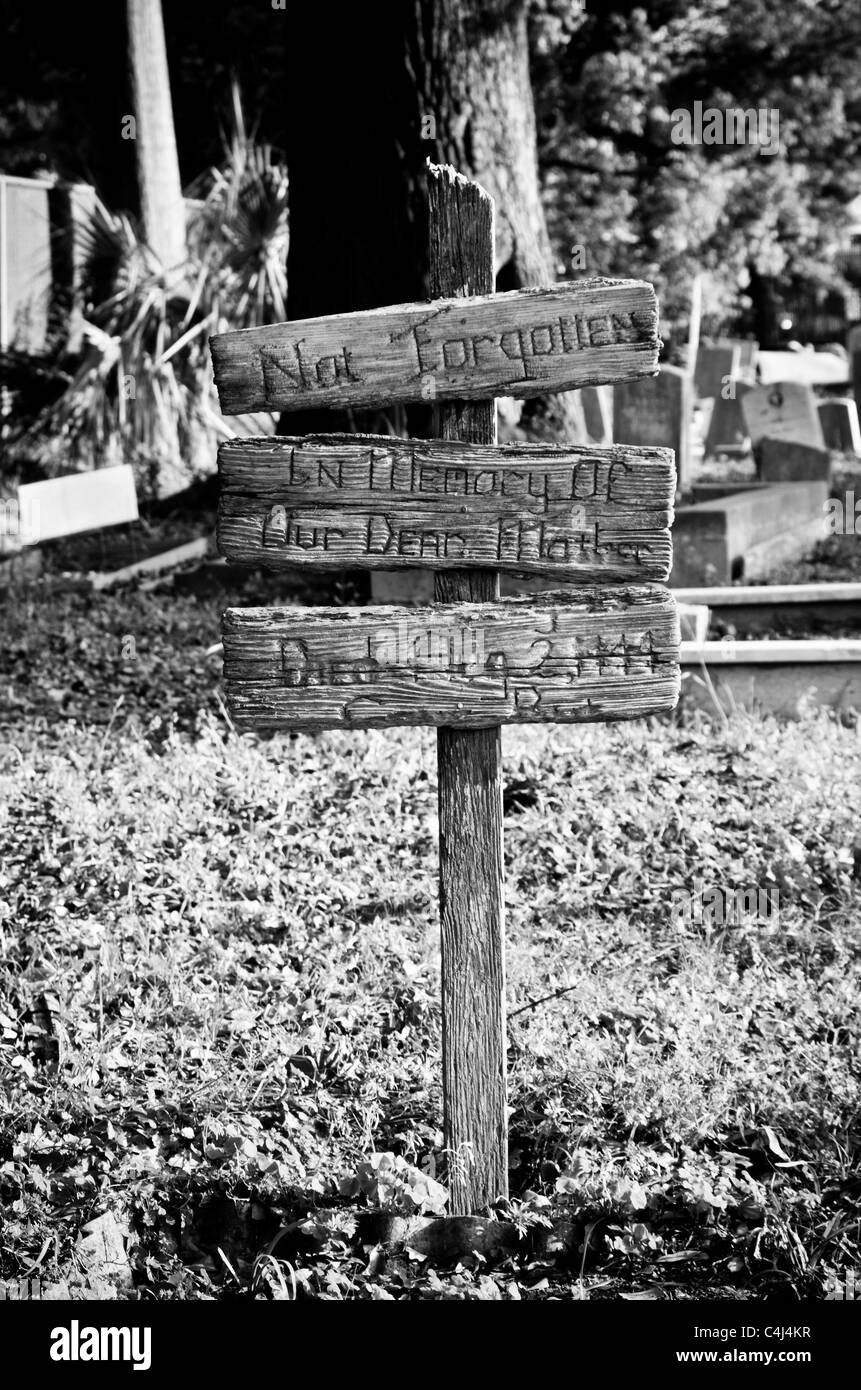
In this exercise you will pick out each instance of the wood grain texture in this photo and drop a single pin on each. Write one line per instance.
(374, 502)
(522, 343)
(602, 653)
(469, 781)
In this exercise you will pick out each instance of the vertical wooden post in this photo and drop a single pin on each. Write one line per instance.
(470, 784)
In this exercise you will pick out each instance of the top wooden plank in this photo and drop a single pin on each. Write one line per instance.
(523, 343)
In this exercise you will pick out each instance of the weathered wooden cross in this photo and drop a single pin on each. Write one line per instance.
(467, 508)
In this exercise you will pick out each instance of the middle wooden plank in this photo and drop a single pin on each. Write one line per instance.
(600, 654)
(376, 502)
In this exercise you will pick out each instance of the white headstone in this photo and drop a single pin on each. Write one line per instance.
(77, 502)
(810, 368)
(786, 410)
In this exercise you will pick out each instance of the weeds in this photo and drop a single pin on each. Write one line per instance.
(219, 992)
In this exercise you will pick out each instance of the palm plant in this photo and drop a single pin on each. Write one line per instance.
(239, 228)
(142, 391)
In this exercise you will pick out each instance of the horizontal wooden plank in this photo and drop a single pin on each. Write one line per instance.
(374, 502)
(522, 343)
(608, 653)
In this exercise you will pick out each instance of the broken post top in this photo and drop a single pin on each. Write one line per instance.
(461, 233)
(522, 343)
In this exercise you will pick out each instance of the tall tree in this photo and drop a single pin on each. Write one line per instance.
(368, 100)
(161, 203)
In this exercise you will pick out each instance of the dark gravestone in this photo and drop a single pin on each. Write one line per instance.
(839, 420)
(656, 412)
(727, 432)
(786, 461)
(715, 365)
(853, 348)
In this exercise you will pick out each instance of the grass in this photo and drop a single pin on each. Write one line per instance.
(219, 992)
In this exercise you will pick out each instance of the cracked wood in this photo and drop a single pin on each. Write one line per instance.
(469, 782)
(601, 654)
(376, 502)
(522, 343)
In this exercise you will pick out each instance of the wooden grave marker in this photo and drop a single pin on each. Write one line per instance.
(467, 508)
(602, 653)
(374, 502)
(522, 343)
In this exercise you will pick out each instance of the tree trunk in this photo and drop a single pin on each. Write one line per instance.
(471, 63)
(161, 203)
(369, 100)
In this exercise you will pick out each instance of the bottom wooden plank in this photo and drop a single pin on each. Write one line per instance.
(605, 654)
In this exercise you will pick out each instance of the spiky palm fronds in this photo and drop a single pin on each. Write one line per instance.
(240, 228)
(143, 389)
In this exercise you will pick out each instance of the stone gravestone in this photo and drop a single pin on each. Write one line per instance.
(749, 351)
(839, 419)
(787, 461)
(715, 364)
(598, 413)
(853, 348)
(656, 411)
(786, 410)
(25, 282)
(727, 431)
(77, 502)
(806, 367)
(336, 502)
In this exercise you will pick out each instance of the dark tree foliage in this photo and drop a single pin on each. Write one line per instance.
(757, 225)
(64, 85)
(606, 77)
